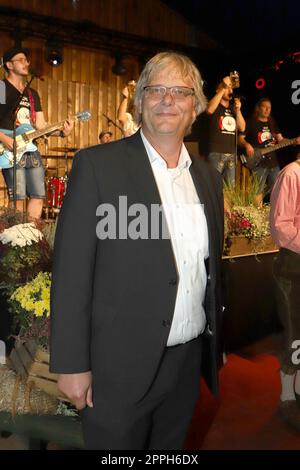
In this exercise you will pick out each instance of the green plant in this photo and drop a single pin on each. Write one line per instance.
(240, 197)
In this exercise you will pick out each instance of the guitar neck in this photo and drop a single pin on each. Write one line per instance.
(46, 130)
(284, 143)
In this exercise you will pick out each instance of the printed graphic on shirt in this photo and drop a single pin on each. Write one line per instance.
(227, 123)
(265, 136)
(23, 114)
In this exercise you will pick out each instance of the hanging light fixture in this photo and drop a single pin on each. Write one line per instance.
(54, 53)
(118, 68)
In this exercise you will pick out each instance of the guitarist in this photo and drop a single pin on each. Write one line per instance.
(262, 131)
(30, 170)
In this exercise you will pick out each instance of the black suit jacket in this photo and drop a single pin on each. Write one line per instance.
(112, 301)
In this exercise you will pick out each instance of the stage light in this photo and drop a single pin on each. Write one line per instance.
(54, 54)
(260, 83)
(118, 67)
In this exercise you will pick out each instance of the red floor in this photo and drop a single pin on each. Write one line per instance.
(245, 417)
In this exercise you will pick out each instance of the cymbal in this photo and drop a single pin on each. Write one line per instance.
(64, 149)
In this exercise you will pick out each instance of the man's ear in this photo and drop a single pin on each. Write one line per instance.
(140, 106)
(194, 116)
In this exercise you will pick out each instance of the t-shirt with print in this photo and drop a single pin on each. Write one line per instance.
(262, 134)
(221, 126)
(24, 114)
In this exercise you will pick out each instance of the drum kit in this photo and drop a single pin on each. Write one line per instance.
(56, 185)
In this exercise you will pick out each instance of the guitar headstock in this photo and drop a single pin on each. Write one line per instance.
(83, 116)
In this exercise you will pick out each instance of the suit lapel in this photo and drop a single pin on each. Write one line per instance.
(140, 171)
(143, 184)
(201, 180)
(143, 187)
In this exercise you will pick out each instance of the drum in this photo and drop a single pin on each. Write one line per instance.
(56, 189)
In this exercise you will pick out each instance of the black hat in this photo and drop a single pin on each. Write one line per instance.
(10, 53)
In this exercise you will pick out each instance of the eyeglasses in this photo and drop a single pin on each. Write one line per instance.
(23, 60)
(179, 93)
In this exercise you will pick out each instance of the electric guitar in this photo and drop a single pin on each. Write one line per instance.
(261, 154)
(25, 134)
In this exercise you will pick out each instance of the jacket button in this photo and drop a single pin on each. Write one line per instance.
(173, 282)
(166, 323)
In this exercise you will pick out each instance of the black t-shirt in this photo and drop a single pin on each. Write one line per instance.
(24, 114)
(221, 127)
(262, 134)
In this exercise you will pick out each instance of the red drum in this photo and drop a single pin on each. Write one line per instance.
(56, 190)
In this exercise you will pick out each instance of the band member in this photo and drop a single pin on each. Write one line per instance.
(126, 110)
(133, 315)
(30, 171)
(262, 131)
(224, 120)
(105, 137)
(285, 230)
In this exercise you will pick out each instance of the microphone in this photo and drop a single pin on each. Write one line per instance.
(36, 74)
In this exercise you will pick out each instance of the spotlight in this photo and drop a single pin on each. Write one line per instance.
(118, 67)
(54, 54)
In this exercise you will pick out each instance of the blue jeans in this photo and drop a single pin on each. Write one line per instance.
(266, 175)
(30, 176)
(225, 164)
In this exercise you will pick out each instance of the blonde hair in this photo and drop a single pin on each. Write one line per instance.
(185, 67)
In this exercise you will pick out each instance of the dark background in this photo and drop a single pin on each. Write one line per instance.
(259, 39)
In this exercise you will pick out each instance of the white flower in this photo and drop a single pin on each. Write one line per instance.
(21, 235)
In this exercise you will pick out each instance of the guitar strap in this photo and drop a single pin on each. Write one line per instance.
(32, 107)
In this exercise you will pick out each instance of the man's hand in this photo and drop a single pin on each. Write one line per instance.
(237, 104)
(125, 92)
(7, 141)
(226, 82)
(78, 388)
(68, 127)
(249, 150)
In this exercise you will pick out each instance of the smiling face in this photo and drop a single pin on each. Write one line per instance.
(166, 116)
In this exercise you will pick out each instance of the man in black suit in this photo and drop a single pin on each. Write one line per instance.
(136, 302)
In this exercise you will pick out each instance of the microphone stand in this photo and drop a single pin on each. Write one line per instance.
(235, 95)
(110, 121)
(14, 114)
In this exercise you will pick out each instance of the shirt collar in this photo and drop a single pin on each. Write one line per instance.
(155, 159)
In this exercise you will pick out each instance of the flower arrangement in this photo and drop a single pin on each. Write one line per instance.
(30, 306)
(246, 218)
(251, 222)
(24, 251)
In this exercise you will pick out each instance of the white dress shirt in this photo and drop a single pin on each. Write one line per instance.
(189, 236)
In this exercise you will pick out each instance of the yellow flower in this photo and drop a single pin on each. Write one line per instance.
(34, 297)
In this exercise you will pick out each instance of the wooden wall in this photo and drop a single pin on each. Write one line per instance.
(83, 82)
(146, 18)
